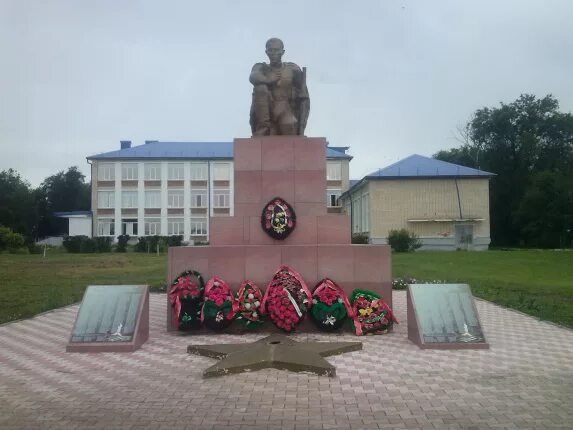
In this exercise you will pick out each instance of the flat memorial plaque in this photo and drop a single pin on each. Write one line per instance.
(443, 316)
(111, 318)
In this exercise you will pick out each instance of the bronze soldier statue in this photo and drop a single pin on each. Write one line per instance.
(280, 103)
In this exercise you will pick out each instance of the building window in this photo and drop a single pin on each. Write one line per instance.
(221, 199)
(152, 171)
(175, 226)
(357, 215)
(198, 171)
(333, 198)
(105, 199)
(153, 199)
(198, 198)
(365, 221)
(333, 171)
(106, 227)
(175, 171)
(175, 198)
(129, 171)
(106, 172)
(221, 172)
(198, 226)
(129, 226)
(152, 226)
(129, 199)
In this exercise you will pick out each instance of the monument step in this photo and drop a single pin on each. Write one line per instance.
(350, 266)
(310, 229)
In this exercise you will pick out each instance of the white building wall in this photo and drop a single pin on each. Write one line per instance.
(80, 226)
(187, 215)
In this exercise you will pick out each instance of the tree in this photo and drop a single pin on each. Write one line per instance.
(545, 213)
(62, 192)
(517, 141)
(17, 206)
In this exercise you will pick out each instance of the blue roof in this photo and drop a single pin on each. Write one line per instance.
(418, 166)
(71, 214)
(196, 150)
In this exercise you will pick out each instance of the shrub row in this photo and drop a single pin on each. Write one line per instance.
(86, 245)
(157, 243)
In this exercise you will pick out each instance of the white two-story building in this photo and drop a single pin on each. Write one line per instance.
(173, 188)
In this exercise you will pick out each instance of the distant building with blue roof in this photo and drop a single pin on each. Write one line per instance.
(445, 204)
(173, 188)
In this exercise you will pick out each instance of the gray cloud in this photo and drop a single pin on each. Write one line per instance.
(387, 78)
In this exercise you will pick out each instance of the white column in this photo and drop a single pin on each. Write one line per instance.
(164, 198)
(186, 201)
(117, 199)
(231, 189)
(141, 198)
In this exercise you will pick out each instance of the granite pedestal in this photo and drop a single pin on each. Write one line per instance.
(294, 169)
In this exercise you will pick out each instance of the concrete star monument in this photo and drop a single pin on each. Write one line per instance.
(275, 351)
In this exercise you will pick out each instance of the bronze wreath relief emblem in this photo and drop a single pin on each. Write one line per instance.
(278, 219)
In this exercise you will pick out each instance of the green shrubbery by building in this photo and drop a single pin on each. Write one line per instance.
(403, 241)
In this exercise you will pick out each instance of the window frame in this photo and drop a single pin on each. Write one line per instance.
(110, 199)
(180, 223)
(199, 167)
(129, 171)
(337, 165)
(106, 168)
(226, 198)
(101, 222)
(173, 195)
(175, 167)
(134, 200)
(152, 167)
(199, 221)
(147, 222)
(146, 199)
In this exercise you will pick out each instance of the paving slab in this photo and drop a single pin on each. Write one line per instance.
(523, 381)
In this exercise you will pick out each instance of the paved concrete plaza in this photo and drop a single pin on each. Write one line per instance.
(524, 381)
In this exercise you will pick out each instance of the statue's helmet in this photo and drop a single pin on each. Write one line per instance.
(274, 40)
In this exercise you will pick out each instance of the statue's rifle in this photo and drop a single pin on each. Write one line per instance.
(303, 104)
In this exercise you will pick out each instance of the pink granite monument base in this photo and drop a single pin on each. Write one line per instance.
(294, 169)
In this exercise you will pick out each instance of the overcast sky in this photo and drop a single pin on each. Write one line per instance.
(387, 78)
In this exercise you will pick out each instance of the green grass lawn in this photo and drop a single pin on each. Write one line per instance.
(539, 283)
(30, 284)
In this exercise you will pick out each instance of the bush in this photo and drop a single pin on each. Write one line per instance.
(102, 244)
(88, 246)
(174, 240)
(73, 244)
(13, 242)
(360, 238)
(403, 241)
(141, 245)
(152, 243)
(122, 243)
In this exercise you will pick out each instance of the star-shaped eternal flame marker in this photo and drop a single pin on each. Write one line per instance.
(275, 351)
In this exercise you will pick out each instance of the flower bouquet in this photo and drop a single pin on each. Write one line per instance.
(217, 312)
(248, 305)
(330, 306)
(186, 298)
(287, 299)
(370, 313)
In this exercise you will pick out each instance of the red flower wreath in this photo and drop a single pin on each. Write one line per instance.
(287, 299)
(248, 305)
(218, 309)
